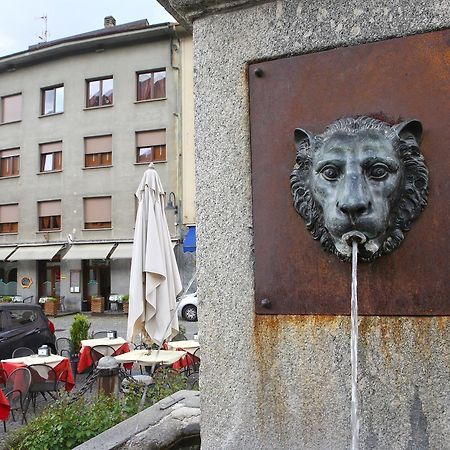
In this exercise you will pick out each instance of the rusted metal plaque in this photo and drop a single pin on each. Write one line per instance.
(401, 79)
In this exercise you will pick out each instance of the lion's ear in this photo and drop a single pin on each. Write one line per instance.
(303, 138)
(409, 128)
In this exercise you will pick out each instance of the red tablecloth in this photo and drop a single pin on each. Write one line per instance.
(4, 406)
(85, 356)
(63, 368)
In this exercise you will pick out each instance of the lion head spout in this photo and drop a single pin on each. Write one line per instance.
(360, 175)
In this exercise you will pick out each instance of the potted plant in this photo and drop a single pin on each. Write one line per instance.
(97, 304)
(125, 299)
(78, 331)
(7, 299)
(51, 306)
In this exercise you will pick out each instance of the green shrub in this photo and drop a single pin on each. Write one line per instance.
(7, 299)
(64, 425)
(79, 331)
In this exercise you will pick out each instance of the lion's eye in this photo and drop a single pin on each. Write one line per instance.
(378, 171)
(330, 173)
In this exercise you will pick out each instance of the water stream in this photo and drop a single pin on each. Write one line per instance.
(354, 348)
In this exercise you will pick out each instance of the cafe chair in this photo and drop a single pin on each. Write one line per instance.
(64, 347)
(22, 351)
(100, 334)
(192, 382)
(99, 351)
(16, 391)
(179, 337)
(44, 380)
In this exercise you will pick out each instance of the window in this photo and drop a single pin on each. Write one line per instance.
(51, 156)
(20, 317)
(97, 212)
(151, 85)
(9, 162)
(11, 108)
(49, 215)
(52, 100)
(99, 92)
(98, 151)
(9, 218)
(151, 146)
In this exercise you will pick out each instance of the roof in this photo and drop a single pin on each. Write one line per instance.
(97, 40)
(136, 25)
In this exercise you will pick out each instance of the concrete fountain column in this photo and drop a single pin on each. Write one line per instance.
(283, 381)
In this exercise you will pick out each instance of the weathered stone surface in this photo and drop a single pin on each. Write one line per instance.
(156, 427)
(283, 382)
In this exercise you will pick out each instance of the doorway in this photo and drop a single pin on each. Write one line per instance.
(49, 279)
(96, 279)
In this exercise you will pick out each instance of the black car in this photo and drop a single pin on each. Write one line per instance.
(24, 325)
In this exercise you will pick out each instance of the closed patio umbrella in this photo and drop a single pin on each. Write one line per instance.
(154, 278)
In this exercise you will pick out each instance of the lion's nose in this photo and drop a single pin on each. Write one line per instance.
(354, 199)
(353, 208)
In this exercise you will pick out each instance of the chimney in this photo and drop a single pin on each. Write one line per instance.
(109, 22)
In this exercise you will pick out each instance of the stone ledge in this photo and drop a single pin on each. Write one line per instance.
(186, 11)
(171, 419)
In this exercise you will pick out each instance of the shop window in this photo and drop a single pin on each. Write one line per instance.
(9, 163)
(151, 85)
(97, 213)
(99, 92)
(98, 151)
(52, 100)
(9, 218)
(51, 156)
(49, 215)
(11, 108)
(151, 146)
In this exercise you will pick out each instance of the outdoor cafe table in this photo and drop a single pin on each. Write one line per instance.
(60, 364)
(190, 346)
(150, 357)
(120, 345)
(4, 406)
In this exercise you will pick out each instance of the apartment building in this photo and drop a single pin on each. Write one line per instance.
(80, 120)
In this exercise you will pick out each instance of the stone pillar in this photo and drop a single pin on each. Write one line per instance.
(108, 376)
(284, 381)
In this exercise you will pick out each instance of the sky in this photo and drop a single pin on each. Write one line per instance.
(21, 26)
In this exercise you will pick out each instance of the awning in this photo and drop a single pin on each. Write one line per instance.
(124, 250)
(189, 244)
(35, 252)
(5, 251)
(89, 251)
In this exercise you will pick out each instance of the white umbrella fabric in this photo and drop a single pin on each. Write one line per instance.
(154, 278)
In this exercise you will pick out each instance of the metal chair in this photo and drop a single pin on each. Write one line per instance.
(100, 334)
(179, 337)
(64, 347)
(16, 391)
(99, 351)
(29, 299)
(44, 380)
(22, 351)
(192, 382)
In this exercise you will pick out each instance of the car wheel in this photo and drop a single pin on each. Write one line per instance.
(190, 313)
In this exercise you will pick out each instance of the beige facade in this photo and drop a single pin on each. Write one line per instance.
(95, 168)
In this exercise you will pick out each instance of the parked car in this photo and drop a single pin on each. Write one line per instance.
(187, 307)
(24, 325)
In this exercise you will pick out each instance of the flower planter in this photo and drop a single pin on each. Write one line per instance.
(51, 308)
(125, 307)
(97, 305)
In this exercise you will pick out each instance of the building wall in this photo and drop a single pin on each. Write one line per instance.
(284, 382)
(121, 120)
(74, 182)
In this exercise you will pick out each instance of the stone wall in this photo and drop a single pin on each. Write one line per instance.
(283, 382)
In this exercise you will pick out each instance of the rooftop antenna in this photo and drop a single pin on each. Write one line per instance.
(44, 35)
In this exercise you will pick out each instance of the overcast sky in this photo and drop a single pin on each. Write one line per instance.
(20, 25)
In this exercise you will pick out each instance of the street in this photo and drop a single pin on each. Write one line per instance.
(107, 321)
